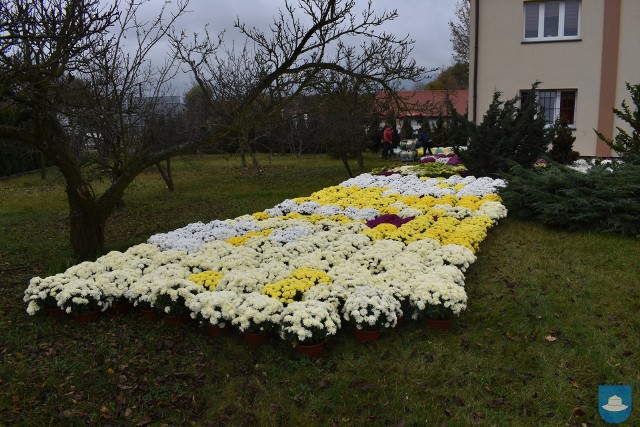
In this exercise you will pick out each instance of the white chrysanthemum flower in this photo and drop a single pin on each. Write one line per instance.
(371, 308)
(310, 321)
(258, 313)
(216, 307)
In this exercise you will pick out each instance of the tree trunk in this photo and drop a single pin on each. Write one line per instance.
(166, 176)
(43, 166)
(243, 158)
(86, 225)
(359, 157)
(345, 162)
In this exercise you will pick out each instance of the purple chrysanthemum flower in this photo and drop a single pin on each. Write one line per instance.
(389, 219)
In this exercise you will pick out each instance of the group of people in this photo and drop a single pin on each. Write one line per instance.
(424, 141)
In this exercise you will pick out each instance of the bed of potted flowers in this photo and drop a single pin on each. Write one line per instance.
(307, 324)
(373, 249)
(371, 309)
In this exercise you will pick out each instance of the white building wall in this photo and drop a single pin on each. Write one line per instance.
(508, 65)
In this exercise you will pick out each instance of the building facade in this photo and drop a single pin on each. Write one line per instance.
(581, 51)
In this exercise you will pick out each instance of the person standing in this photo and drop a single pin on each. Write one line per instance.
(424, 140)
(387, 141)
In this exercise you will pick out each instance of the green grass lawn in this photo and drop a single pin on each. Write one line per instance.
(551, 316)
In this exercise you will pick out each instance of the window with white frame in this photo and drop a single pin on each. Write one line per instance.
(556, 104)
(552, 20)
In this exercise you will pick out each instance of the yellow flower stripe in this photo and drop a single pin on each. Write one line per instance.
(239, 240)
(260, 216)
(291, 289)
(208, 279)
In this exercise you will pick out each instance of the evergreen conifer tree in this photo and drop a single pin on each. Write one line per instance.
(406, 131)
(438, 132)
(562, 144)
(507, 135)
(628, 146)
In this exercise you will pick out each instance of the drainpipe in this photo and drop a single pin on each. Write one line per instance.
(475, 63)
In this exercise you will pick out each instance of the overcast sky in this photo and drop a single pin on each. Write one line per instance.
(425, 21)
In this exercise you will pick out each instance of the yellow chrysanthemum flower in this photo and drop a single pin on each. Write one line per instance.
(291, 289)
(240, 240)
(208, 279)
(260, 216)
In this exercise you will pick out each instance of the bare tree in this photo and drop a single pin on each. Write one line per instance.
(68, 79)
(306, 53)
(460, 32)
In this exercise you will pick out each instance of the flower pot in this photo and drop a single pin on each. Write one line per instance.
(438, 324)
(120, 308)
(88, 317)
(217, 331)
(362, 335)
(399, 322)
(254, 339)
(150, 314)
(56, 313)
(181, 319)
(311, 350)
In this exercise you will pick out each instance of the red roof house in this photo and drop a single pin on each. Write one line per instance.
(423, 105)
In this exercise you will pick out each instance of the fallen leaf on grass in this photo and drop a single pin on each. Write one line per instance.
(496, 403)
(578, 412)
(551, 338)
(324, 384)
(274, 407)
(144, 422)
(458, 401)
(127, 412)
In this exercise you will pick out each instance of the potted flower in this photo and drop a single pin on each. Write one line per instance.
(438, 301)
(308, 323)
(142, 294)
(371, 309)
(401, 291)
(215, 309)
(333, 294)
(173, 296)
(41, 294)
(82, 298)
(257, 316)
(114, 285)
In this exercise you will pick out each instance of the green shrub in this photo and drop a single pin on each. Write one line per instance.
(598, 201)
(562, 144)
(509, 134)
(628, 146)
